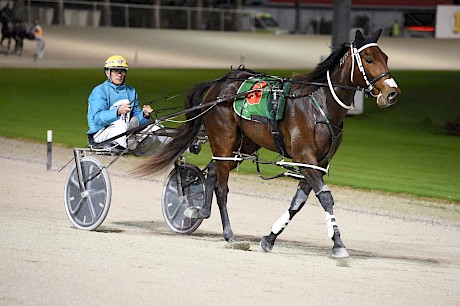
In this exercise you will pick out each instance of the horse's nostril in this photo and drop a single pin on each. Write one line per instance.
(393, 95)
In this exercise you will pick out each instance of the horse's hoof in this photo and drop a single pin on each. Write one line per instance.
(340, 253)
(238, 245)
(265, 245)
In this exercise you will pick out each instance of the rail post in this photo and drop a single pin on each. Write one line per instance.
(49, 136)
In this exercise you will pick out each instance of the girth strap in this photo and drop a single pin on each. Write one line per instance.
(278, 139)
(276, 133)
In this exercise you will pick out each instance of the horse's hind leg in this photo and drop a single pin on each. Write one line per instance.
(204, 211)
(297, 203)
(221, 190)
(211, 182)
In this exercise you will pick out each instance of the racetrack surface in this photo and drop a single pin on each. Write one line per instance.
(404, 250)
(89, 47)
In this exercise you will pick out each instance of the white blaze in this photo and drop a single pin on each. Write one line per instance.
(391, 82)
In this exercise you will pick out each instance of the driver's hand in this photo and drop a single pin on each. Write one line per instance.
(124, 108)
(147, 110)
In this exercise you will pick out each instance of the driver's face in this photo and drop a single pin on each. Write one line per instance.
(117, 76)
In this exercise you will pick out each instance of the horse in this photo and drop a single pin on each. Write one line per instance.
(310, 130)
(13, 30)
(7, 30)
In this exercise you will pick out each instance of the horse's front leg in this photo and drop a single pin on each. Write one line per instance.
(297, 203)
(324, 196)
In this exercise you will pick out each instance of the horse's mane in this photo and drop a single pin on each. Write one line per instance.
(318, 75)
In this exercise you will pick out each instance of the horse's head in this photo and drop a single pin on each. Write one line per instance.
(372, 71)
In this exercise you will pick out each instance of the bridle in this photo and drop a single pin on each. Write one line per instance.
(357, 58)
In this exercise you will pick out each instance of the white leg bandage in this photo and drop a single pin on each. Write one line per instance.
(330, 224)
(281, 223)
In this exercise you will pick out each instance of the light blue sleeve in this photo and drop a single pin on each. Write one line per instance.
(99, 108)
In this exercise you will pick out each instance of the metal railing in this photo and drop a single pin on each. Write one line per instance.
(312, 20)
(90, 13)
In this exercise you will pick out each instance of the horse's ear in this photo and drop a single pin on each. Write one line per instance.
(376, 35)
(358, 37)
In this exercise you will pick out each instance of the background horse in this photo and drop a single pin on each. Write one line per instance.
(7, 29)
(13, 30)
(311, 129)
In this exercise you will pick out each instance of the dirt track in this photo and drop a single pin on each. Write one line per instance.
(403, 250)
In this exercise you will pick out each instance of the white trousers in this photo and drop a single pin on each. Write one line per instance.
(119, 127)
(115, 128)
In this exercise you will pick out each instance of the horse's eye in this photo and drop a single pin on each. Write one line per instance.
(369, 60)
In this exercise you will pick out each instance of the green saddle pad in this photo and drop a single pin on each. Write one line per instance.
(258, 103)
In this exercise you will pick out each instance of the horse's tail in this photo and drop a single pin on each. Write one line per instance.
(181, 139)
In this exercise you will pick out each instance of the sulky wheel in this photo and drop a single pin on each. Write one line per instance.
(176, 200)
(88, 207)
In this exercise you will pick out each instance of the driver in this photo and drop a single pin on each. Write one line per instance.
(113, 109)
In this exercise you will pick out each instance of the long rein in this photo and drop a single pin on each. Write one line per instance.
(239, 156)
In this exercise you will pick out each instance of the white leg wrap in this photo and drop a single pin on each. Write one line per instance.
(330, 224)
(281, 223)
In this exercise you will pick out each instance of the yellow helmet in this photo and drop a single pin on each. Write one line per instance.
(116, 62)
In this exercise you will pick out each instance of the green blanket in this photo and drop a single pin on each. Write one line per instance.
(264, 95)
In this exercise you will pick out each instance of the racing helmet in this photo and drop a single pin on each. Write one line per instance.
(116, 62)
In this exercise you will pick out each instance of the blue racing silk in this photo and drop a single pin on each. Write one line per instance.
(101, 109)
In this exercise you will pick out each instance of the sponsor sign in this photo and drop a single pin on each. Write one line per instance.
(448, 21)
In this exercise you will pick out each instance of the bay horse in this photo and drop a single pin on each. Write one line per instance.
(311, 129)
